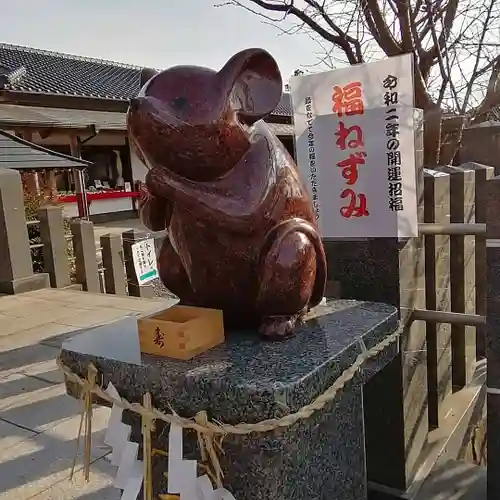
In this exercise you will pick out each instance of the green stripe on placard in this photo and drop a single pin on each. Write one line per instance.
(148, 275)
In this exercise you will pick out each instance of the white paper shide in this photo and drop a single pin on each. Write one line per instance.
(355, 141)
(144, 257)
(183, 479)
(129, 476)
(182, 475)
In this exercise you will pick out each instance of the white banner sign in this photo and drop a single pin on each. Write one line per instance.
(144, 256)
(355, 140)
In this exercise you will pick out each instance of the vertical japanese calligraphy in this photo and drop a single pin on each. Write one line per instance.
(159, 337)
(359, 156)
(393, 153)
(348, 101)
(312, 155)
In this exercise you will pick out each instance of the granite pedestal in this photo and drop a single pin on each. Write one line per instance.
(246, 380)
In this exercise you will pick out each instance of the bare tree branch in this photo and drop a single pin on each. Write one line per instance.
(287, 8)
(454, 44)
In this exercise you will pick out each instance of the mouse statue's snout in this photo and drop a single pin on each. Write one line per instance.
(242, 234)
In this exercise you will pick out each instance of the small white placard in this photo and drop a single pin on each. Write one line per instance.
(128, 187)
(144, 255)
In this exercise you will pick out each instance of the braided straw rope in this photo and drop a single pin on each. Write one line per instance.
(200, 423)
(211, 434)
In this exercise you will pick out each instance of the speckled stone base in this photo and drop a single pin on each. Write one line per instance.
(246, 380)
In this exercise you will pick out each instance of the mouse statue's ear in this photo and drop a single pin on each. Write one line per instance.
(253, 82)
(146, 75)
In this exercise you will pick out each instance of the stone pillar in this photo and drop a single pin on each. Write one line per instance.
(115, 280)
(319, 457)
(55, 246)
(87, 272)
(134, 289)
(395, 400)
(492, 332)
(437, 291)
(16, 268)
(463, 270)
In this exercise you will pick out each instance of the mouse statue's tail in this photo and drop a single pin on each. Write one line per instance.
(292, 273)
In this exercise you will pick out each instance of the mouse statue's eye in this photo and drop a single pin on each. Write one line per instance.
(179, 103)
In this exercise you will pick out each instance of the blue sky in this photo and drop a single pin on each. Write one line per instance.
(157, 33)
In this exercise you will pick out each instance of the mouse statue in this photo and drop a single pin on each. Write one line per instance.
(242, 235)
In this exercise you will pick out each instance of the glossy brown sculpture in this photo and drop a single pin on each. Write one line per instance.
(242, 235)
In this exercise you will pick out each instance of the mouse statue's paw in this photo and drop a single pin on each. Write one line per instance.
(277, 327)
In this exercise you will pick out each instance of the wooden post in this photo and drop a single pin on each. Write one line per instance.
(482, 174)
(462, 269)
(437, 291)
(51, 184)
(81, 192)
(493, 339)
(147, 428)
(31, 178)
(31, 182)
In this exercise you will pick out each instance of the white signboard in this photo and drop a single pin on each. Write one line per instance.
(144, 255)
(355, 141)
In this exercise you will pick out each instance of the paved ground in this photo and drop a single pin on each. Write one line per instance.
(38, 421)
(453, 480)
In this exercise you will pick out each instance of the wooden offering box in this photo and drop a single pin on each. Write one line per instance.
(181, 332)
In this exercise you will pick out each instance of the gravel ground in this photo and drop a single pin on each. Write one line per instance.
(160, 290)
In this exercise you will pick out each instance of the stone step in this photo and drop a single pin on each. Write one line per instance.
(454, 480)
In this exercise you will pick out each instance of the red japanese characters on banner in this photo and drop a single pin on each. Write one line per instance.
(348, 101)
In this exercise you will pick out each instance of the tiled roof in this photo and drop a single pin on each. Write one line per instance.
(20, 154)
(31, 70)
(53, 73)
(284, 108)
(14, 115)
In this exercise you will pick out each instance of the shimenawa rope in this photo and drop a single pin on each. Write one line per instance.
(208, 431)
